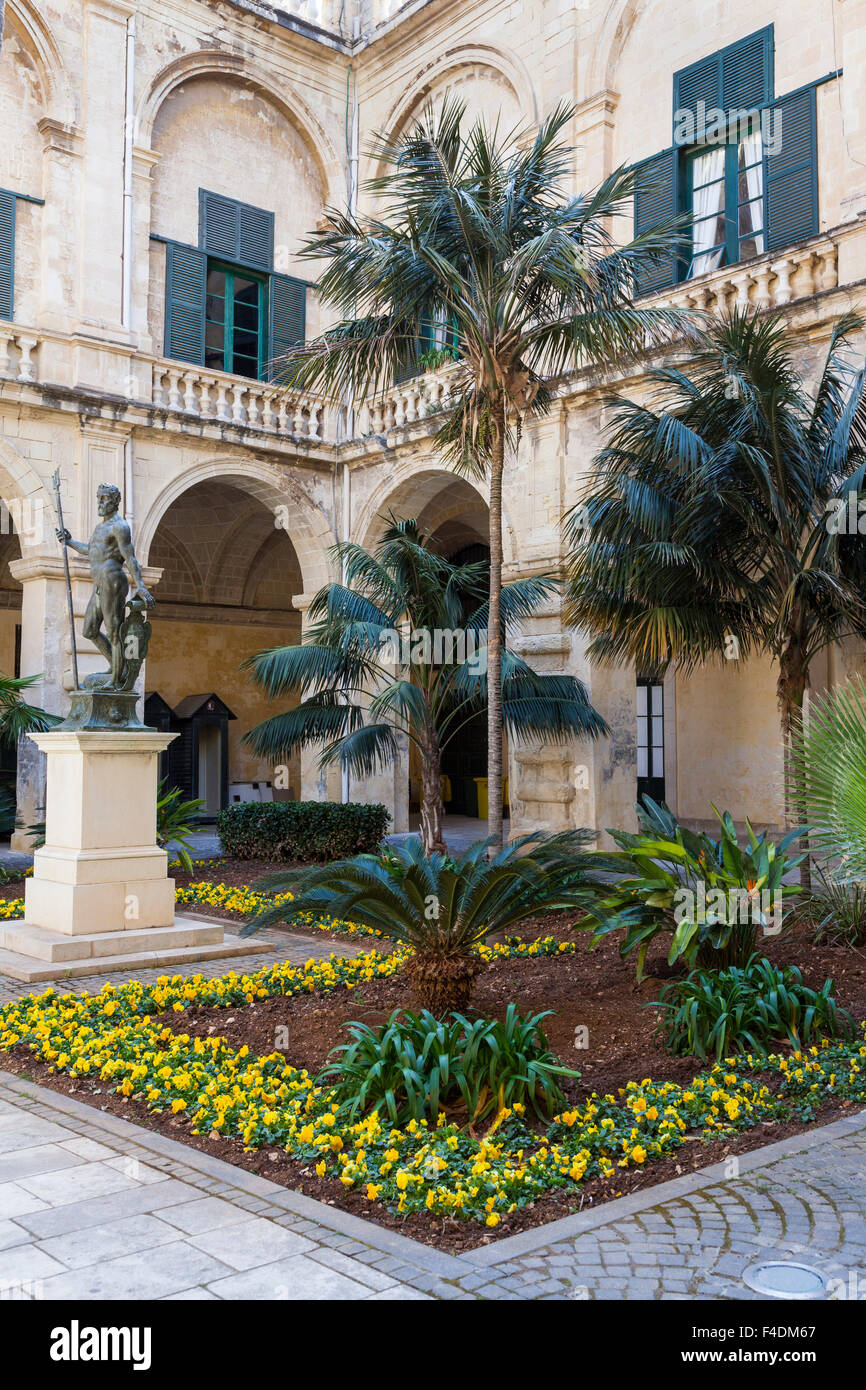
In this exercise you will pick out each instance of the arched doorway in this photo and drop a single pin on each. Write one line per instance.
(455, 517)
(230, 575)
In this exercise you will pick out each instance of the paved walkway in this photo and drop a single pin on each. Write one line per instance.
(276, 946)
(92, 1206)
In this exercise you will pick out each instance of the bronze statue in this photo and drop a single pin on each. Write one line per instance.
(107, 699)
(111, 551)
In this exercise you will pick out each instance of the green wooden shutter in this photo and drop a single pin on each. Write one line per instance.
(655, 203)
(697, 88)
(288, 317)
(235, 232)
(7, 254)
(736, 78)
(747, 72)
(791, 171)
(185, 281)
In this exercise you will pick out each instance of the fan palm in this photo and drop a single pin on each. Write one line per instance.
(400, 648)
(477, 234)
(829, 754)
(440, 908)
(710, 523)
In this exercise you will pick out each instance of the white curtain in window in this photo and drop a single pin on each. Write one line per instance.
(707, 204)
(752, 151)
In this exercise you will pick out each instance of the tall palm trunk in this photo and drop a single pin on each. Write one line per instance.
(791, 690)
(494, 637)
(432, 807)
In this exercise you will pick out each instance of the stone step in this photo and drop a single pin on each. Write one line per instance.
(31, 969)
(53, 946)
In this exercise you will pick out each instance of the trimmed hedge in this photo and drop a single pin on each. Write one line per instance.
(313, 831)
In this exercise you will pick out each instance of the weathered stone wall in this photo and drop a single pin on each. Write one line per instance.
(225, 98)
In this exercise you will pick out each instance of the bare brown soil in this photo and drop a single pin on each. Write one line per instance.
(594, 989)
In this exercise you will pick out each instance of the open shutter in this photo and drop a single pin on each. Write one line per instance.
(655, 203)
(185, 281)
(7, 254)
(697, 90)
(736, 78)
(791, 171)
(288, 316)
(235, 232)
(747, 72)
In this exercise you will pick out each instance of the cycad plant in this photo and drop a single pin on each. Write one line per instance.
(400, 648)
(440, 908)
(479, 233)
(716, 522)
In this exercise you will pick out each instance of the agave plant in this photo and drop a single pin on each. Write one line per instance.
(441, 908)
(829, 758)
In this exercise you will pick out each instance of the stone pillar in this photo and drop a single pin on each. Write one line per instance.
(100, 898)
(851, 38)
(101, 240)
(100, 869)
(62, 163)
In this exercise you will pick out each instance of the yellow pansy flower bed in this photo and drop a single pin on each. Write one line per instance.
(244, 900)
(261, 1101)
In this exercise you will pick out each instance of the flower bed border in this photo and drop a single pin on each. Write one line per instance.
(263, 1101)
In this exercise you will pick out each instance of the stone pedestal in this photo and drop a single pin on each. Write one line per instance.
(100, 899)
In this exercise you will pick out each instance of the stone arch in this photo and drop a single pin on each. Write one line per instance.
(56, 91)
(412, 491)
(233, 66)
(308, 528)
(506, 66)
(607, 50)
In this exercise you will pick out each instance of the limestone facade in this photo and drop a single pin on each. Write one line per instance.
(116, 113)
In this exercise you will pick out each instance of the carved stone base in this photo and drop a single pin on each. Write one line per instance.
(98, 711)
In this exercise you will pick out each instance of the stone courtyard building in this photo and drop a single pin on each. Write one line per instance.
(161, 162)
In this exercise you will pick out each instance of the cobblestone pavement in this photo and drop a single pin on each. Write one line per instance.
(93, 1206)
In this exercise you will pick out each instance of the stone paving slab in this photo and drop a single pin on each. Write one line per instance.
(279, 946)
(184, 1224)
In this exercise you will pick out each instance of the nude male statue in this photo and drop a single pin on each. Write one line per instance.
(109, 549)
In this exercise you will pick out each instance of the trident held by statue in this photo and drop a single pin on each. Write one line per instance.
(58, 507)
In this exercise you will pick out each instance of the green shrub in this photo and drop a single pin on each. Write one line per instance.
(309, 831)
(711, 898)
(175, 822)
(835, 910)
(746, 1009)
(415, 1066)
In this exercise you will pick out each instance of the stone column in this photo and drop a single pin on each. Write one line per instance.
(62, 162)
(851, 38)
(101, 240)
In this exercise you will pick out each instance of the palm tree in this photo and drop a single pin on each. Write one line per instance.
(398, 648)
(829, 753)
(478, 235)
(18, 718)
(440, 908)
(711, 523)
